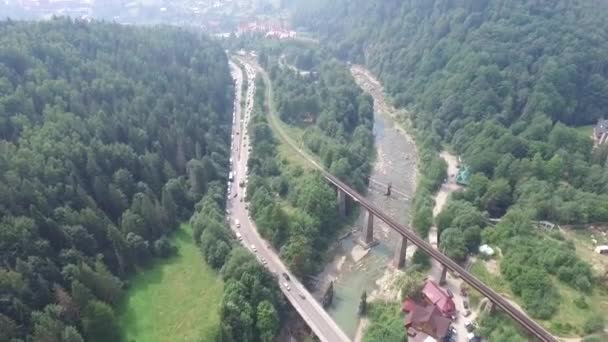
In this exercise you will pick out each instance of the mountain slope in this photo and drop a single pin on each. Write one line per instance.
(108, 136)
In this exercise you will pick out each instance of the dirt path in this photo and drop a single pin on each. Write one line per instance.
(363, 323)
(451, 186)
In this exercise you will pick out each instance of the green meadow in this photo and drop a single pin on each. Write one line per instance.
(176, 299)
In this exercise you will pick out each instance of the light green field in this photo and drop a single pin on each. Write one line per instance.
(569, 319)
(175, 299)
(585, 130)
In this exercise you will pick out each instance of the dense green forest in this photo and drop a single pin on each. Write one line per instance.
(301, 220)
(293, 208)
(497, 80)
(108, 136)
(318, 94)
(502, 83)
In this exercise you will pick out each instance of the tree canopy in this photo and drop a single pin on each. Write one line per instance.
(108, 136)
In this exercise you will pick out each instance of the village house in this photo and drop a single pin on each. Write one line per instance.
(423, 321)
(434, 295)
(431, 318)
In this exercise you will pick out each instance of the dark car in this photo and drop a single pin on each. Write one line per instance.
(286, 276)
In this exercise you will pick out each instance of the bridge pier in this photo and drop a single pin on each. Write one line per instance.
(369, 230)
(400, 256)
(341, 203)
(444, 273)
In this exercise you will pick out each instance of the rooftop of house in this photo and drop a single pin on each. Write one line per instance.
(428, 319)
(435, 295)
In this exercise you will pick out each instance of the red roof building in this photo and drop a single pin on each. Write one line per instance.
(408, 305)
(434, 295)
(426, 319)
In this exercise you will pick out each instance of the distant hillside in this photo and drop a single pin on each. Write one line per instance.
(473, 59)
(108, 136)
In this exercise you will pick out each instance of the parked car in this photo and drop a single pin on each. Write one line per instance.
(465, 304)
(286, 276)
(287, 286)
(255, 250)
(450, 294)
(302, 296)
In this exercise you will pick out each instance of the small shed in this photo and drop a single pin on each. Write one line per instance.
(602, 250)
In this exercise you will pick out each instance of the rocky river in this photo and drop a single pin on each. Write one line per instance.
(353, 268)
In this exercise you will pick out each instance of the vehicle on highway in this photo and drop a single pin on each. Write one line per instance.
(287, 286)
(302, 295)
(239, 236)
(237, 223)
(255, 250)
(286, 276)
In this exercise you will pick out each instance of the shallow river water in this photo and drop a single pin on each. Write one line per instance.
(353, 269)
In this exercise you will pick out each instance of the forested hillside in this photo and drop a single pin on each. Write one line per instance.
(108, 136)
(502, 83)
(473, 59)
(499, 81)
(319, 95)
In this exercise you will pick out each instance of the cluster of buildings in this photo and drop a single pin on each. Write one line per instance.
(271, 29)
(429, 319)
(82, 9)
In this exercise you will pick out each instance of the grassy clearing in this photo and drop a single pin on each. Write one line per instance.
(585, 248)
(585, 130)
(385, 323)
(176, 299)
(575, 308)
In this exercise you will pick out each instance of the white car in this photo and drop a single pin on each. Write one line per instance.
(255, 250)
(287, 286)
